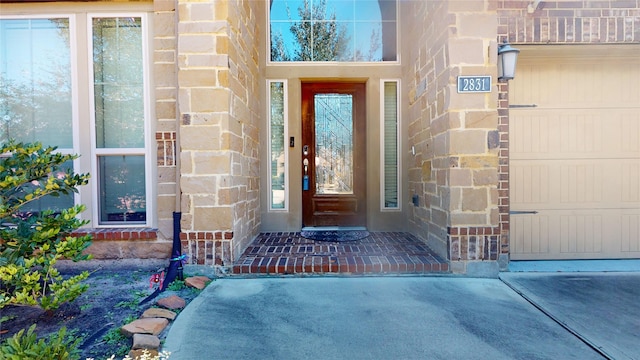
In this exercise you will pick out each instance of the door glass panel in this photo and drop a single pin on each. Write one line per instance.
(334, 143)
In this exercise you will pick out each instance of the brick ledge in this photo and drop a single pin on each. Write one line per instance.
(120, 233)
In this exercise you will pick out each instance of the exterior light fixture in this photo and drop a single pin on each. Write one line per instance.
(507, 58)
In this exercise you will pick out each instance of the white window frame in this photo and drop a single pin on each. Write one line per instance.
(146, 151)
(285, 137)
(81, 55)
(383, 207)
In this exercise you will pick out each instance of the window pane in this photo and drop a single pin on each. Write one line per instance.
(390, 145)
(118, 82)
(333, 30)
(368, 41)
(334, 143)
(122, 189)
(35, 81)
(278, 186)
(55, 203)
(367, 10)
(283, 10)
(342, 9)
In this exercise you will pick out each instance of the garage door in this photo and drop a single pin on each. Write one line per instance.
(575, 153)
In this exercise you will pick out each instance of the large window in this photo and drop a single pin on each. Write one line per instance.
(43, 97)
(333, 30)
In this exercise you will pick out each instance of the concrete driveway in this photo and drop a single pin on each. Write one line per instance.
(601, 308)
(367, 318)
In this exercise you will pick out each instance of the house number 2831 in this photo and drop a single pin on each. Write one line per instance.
(474, 84)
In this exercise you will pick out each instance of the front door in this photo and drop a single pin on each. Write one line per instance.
(333, 154)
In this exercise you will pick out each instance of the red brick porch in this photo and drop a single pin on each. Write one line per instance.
(380, 253)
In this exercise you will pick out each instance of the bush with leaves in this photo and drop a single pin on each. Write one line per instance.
(60, 345)
(32, 243)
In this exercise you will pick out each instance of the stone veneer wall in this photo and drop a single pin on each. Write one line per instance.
(456, 138)
(164, 79)
(245, 81)
(218, 87)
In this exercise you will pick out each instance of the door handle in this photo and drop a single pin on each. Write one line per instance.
(522, 212)
(305, 177)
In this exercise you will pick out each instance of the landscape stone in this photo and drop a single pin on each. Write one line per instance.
(145, 341)
(151, 326)
(198, 282)
(159, 313)
(172, 302)
(137, 353)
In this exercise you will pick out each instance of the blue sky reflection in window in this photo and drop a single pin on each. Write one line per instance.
(333, 30)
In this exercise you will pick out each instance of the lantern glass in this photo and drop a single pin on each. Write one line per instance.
(507, 59)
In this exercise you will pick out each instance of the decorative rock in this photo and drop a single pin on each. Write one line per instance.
(137, 353)
(198, 282)
(159, 313)
(151, 326)
(144, 341)
(172, 302)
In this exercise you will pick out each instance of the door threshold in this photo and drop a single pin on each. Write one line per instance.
(334, 228)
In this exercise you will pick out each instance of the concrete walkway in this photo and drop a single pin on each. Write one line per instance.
(368, 318)
(601, 308)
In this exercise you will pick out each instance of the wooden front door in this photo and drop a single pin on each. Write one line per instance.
(333, 154)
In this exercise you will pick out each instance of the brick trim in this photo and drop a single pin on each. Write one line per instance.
(473, 243)
(503, 168)
(570, 22)
(208, 247)
(119, 233)
(166, 148)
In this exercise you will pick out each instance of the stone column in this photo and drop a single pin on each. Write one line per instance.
(217, 78)
(455, 169)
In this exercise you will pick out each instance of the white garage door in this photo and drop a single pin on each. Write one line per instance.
(575, 156)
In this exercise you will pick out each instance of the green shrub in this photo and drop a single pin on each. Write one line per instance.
(22, 346)
(32, 243)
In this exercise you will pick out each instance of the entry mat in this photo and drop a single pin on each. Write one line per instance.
(334, 233)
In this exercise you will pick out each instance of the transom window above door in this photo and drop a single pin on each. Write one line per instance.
(333, 30)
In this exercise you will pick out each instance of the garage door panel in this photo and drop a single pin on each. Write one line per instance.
(530, 235)
(575, 234)
(555, 134)
(630, 233)
(575, 156)
(573, 184)
(581, 233)
(548, 82)
(629, 132)
(630, 189)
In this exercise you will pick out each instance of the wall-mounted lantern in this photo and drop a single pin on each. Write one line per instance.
(507, 58)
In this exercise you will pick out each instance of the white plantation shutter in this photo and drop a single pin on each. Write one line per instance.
(390, 145)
